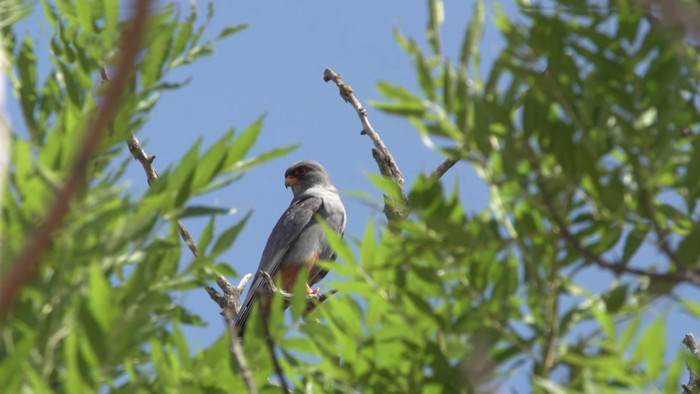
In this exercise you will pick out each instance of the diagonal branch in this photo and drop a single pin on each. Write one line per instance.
(444, 167)
(27, 263)
(385, 160)
(152, 175)
(616, 267)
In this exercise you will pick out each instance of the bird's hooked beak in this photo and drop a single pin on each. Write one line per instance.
(290, 180)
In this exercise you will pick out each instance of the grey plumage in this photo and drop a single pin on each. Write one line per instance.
(298, 237)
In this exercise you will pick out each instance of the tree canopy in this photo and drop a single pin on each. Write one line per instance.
(585, 130)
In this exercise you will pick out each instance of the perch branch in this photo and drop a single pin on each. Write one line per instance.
(27, 263)
(694, 380)
(385, 161)
(271, 343)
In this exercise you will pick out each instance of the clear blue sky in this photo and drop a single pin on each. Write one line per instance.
(276, 67)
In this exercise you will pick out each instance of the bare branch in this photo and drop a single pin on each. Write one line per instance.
(443, 167)
(28, 261)
(385, 161)
(271, 344)
(152, 175)
(237, 350)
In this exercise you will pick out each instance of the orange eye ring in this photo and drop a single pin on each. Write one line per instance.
(300, 171)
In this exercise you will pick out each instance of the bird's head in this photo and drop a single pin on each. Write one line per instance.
(305, 174)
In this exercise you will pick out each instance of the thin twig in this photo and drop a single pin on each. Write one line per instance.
(230, 302)
(617, 267)
(694, 380)
(237, 350)
(382, 155)
(443, 167)
(27, 263)
(271, 347)
(147, 163)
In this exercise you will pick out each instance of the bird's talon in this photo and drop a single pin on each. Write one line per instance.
(312, 291)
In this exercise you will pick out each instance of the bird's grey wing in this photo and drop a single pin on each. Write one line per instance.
(283, 235)
(333, 213)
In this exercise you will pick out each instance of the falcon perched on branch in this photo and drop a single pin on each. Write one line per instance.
(298, 241)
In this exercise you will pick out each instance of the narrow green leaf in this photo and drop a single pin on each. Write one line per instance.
(652, 348)
(340, 246)
(633, 242)
(689, 248)
(299, 294)
(449, 87)
(83, 10)
(231, 30)
(101, 300)
(425, 77)
(436, 12)
(404, 108)
(212, 161)
(207, 234)
(244, 143)
(202, 210)
(229, 236)
(156, 55)
(397, 92)
(473, 35)
(369, 244)
(225, 270)
(185, 190)
(26, 67)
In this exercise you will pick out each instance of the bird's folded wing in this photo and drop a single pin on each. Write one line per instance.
(283, 235)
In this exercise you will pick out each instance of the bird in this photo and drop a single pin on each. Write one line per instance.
(298, 240)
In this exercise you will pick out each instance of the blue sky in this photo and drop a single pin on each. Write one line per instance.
(275, 67)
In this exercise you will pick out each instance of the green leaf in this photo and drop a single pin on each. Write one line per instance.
(402, 108)
(633, 242)
(615, 299)
(244, 142)
(229, 30)
(652, 348)
(207, 234)
(473, 35)
(339, 246)
(156, 55)
(201, 210)
(397, 92)
(689, 248)
(368, 251)
(212, 161)
(101, 300)
(436, 12)
(229, 236)
(425, 77)
(299, 294)
(225, 270)
(26, 67)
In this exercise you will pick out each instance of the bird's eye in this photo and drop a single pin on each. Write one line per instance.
(300, 171)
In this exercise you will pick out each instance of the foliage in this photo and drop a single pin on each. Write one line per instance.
(583, 128)
(101, 310)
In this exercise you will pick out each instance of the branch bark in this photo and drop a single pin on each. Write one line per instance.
(385, 160)
(27, 263)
